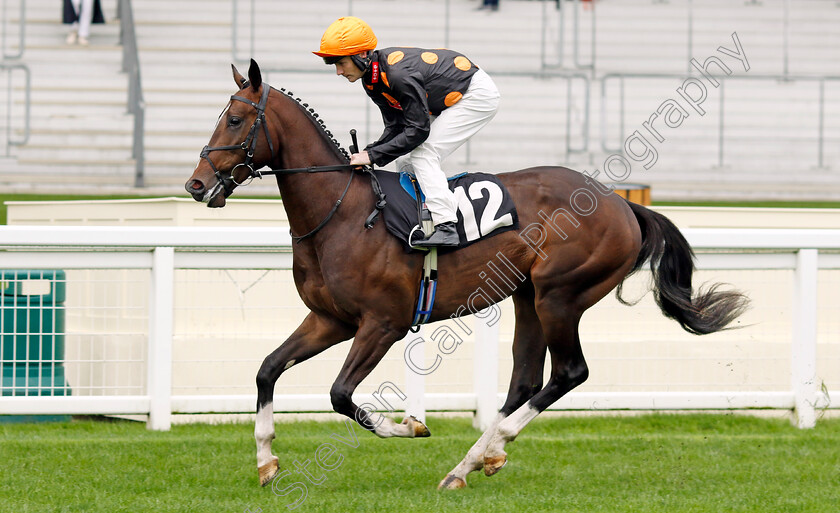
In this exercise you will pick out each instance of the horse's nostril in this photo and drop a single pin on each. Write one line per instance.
(195, 188)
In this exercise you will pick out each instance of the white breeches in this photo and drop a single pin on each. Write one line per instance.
(452, 128)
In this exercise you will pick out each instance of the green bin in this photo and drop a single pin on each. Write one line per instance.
(32, 326)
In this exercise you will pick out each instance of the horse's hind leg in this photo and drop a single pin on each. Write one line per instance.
(568, 370)
(525, 381)
(314, 335)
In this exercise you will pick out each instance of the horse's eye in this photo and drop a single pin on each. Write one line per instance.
(234, 121)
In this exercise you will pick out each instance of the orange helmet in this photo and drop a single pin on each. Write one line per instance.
(346, 36)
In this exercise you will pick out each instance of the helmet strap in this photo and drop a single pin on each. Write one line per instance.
(363, 63)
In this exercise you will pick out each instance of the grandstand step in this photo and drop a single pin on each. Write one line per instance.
(81, 137)
(69, 124)
(82, 166)
(33, 151)
(73, 68)
(61, 109)
(58, 95)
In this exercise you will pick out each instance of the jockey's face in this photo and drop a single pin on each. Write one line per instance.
(348, 69)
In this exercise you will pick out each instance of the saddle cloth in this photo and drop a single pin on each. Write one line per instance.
(485, 207)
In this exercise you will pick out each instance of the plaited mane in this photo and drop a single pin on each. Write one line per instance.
(319, 123)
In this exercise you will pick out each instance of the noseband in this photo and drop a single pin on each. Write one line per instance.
(248, 145)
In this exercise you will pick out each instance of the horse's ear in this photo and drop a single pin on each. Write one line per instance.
(254, 75)
(237, 77)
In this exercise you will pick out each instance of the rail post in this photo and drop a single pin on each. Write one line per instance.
(159, 360)
(804, 345)
(485, 372)
(415, 382)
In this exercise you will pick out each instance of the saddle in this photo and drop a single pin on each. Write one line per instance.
(485, 208)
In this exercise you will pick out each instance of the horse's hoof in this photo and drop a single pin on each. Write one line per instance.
(494, 464)
(268, 471)
(420, 429)
(451, 482)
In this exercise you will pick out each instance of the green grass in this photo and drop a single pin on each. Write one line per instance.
(647, 464)
(750, 204)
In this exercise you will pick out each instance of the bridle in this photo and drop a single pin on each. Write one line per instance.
(249, 146)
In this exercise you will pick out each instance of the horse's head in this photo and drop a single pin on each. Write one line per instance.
(240, 143)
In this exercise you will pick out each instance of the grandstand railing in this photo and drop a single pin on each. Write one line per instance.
(723, 79)
(570, 77)
(576, 36)
(234, 24)
(545, 40)
(581, 35)
(136, 103)
(163, 250)
(7, 69)
(577, 32)
(11, 112)
(4, 31)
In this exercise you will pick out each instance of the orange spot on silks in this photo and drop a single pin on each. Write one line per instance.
(452, 98)
(462, 63)
(385, 80)
(429, 57)
(395, 57)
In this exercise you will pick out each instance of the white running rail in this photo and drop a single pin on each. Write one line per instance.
(162, 250)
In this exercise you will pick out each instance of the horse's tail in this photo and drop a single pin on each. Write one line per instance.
(672, 264)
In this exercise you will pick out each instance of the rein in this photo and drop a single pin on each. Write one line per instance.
(374, 182)
(249, 145)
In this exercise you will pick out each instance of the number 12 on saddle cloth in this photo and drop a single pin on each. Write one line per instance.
(485, 207)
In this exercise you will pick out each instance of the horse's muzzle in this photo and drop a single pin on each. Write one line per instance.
(214, 197)
(195, 188)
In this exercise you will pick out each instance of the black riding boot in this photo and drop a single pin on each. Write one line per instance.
(445, 234)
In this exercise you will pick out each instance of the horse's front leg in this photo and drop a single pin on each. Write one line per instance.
(313, 336)
(372, 341)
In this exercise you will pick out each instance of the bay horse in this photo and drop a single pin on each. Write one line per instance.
(579, 242)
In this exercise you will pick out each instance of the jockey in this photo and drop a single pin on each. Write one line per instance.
(432, 101)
